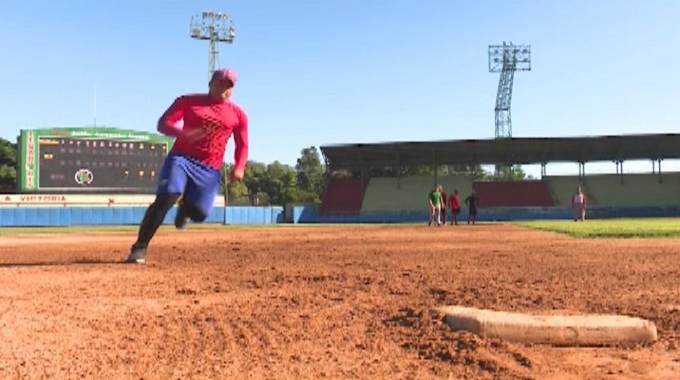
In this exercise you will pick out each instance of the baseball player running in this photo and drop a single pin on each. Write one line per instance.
(201, 125)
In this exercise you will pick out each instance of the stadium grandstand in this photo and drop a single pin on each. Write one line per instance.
(361, 190)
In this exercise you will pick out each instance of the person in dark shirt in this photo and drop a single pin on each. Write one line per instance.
(472, 202)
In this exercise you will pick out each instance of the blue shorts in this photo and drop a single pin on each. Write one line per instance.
(198, 182)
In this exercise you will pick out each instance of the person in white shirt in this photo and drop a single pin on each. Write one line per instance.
(578, 205)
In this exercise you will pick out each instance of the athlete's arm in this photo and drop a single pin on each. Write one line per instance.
(241, 147)
(171, 122)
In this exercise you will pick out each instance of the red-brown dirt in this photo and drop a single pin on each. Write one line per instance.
(335, 302)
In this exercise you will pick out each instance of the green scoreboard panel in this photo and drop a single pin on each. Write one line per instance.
(90, 160)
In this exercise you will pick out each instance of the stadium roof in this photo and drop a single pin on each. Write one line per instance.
(515, 150)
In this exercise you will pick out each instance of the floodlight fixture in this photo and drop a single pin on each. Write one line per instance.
(214, 27)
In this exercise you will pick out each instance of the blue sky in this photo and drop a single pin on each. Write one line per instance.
(317, 72)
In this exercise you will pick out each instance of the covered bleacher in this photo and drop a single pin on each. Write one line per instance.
(505, 151)
(405, 194)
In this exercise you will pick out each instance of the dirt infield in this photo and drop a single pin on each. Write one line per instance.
(313, 302)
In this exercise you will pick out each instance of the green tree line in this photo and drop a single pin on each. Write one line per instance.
(504, 173)
(8, 165)
(276, 183)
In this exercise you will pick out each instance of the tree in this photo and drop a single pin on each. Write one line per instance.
(310, 174)
(279, 182)
(237, 191)
(8, 165)
(476, 171)
(254, 178)
(508, 173)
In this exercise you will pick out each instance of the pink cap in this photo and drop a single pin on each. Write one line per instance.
(225, 74)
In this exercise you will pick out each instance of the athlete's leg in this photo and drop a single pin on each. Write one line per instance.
(154, 216)
(171, 183)
(201, 191)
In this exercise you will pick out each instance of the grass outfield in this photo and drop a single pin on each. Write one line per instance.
(610, 228)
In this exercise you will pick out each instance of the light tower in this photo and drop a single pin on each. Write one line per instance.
(507, 59)
(212, 26)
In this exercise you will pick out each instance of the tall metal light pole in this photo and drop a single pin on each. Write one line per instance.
(507, 59)
(212, 26)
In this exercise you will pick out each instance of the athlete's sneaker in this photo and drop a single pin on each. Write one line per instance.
(137, 255)
(181, 219)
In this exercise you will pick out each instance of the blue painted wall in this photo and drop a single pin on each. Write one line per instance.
(253, 215)
(307, 214)
(93, 216)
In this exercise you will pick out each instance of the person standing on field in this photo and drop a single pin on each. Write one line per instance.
(201, 125)
(578, 205)
(471, 201)
(444, 204)
(435, 199)
(454, 203)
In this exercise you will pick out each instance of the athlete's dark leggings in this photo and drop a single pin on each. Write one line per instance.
(153, 218)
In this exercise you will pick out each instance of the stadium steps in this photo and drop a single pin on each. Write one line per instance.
(343, 196)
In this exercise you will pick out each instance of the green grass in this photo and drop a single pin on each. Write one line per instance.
(610, 228)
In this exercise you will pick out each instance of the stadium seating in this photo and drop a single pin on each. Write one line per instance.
(562, 187)
(612, 190)
(343, 196)
(634, 190)
(513, 194)
(407, 194)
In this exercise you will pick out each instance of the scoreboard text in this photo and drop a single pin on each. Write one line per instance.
(67, 163)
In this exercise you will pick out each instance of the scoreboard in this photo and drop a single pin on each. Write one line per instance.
(90, 160)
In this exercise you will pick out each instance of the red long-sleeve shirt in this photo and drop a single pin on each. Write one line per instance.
(454, 201)
(195, 115)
